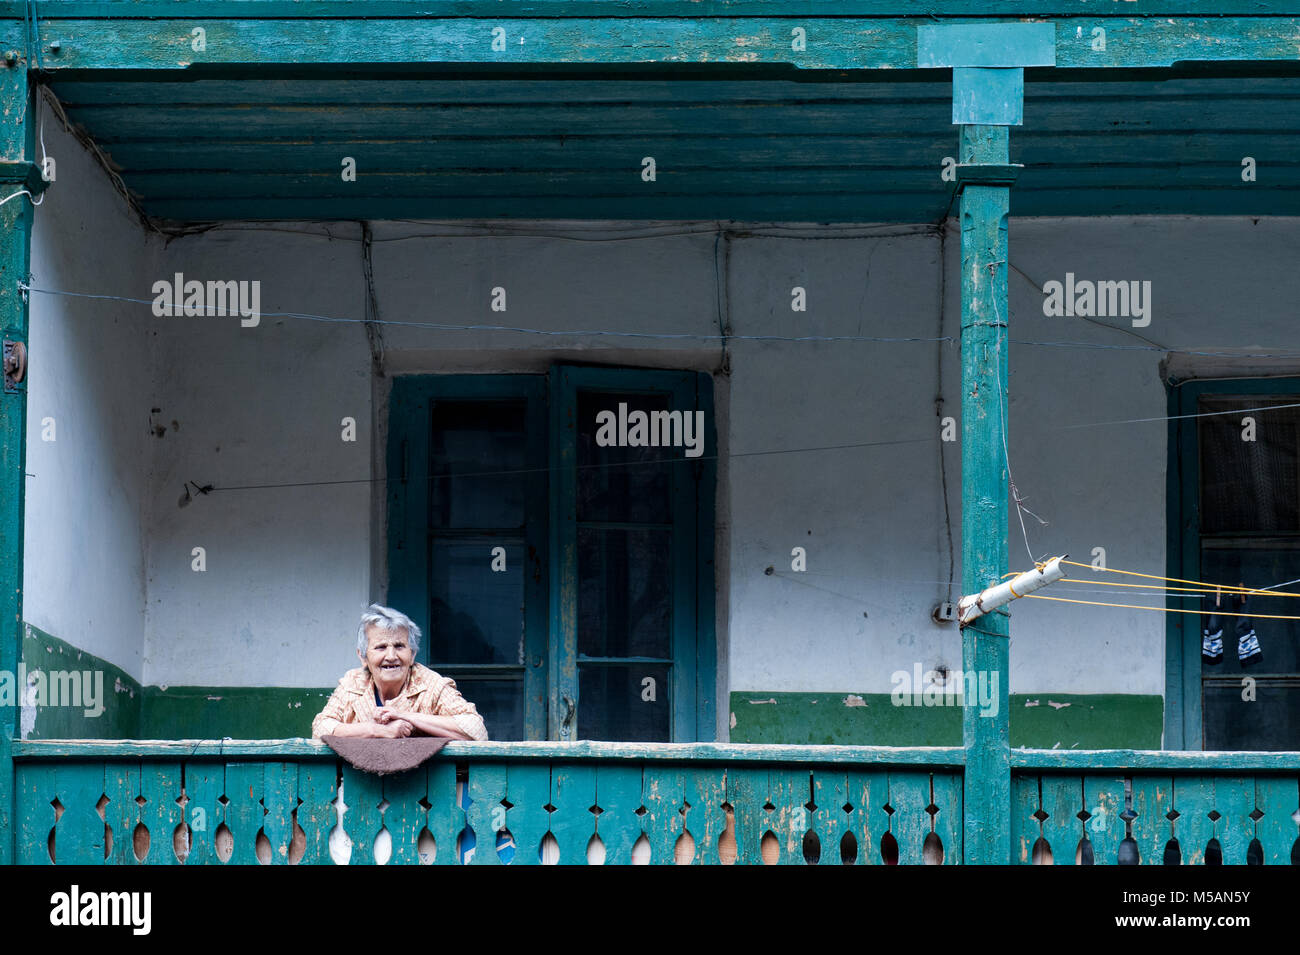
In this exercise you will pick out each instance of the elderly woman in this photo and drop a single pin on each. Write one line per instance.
(390, 695)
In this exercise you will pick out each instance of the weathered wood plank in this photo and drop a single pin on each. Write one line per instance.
(703, 793)
(1061, 798)
(446, 819)
(1193, 800)
(279, 799)
(160, 785)
(573, 793)
(121, 812)
(1025, 829)
(487, 787)
(618, 794)
(362, 794)
(1104, 799)
(205, 783)
(1161, 760)
(747, 794)
(663, 792)
(830, 793)
(909, 795)
(1278, 798)
(947, 822)
(1153, 797)
(36, 789)
(243, 812)
(868, 793)
(496, 751)
(789, 790)
(528, 789)
(1234, 798)
(405, 817)
(835, 42)
(317, 817)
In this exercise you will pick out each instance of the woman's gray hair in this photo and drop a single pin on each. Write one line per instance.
(386, 618)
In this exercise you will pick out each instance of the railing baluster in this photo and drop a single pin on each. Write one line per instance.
(1234, 798)
(1153, 797)
(1276, 798)
(948, 820)
(909, 795)
(573, 793)
(618, 794)
(160, 786)
(34, 795)
(1104, 799)
(1025, 826)
(317, 788)
(487, 787)
(205, 782)
(528, 790)
(280, 798)
(243, 811)
(663, 792)
(405, 816)
(121, 812)
(747, 794)
(704, 788)
(1062, 801)
(446, 819)
(1194, 800)
(362, 792)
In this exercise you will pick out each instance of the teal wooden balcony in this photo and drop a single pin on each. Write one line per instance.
(279, 801)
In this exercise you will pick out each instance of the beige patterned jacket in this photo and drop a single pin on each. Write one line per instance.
(426, 692)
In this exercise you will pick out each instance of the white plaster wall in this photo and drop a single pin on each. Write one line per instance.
(288, 569)
(88, 367)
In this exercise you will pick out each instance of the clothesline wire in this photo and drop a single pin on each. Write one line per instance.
(691, 336)
(1094, 603)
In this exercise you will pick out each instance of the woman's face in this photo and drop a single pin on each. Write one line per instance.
(389, 656)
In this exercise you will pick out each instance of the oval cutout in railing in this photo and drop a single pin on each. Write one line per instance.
(889, 849)
(641, 851)
(1295, 852)
(49, 846)
(1213, 853)
(727, 851)
(181, 842)
(932, 849)
(684, 848)
(108, 840)
(297, 841)
(140, 842)
(595, 850)
(548, 853)
(506, 847)
(1128, 852)
(382, 850)
(1041, 854)
(426, 846)
(769, 849)
(1173, 853)
(1083, 852)
(812, 848)
(223, 841)
(466, 845)
(1255, 853)
(848, 849)
(262, 848)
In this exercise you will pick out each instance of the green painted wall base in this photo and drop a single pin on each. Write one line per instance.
(1038, 720)
(131, 711)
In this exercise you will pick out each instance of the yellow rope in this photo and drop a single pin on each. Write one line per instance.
(1227, 588)
(1094, 603)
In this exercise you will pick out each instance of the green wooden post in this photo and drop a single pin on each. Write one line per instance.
(985, 198)
(16, 172)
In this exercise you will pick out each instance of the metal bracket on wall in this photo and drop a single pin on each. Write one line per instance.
(15, 364)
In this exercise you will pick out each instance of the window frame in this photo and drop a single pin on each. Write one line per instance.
(551, 596)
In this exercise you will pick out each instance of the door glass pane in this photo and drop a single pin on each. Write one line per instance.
(479, 469)
(1249, 481)
(499, 701)
(476, 613)
(1268, 722)
(624, 593)
(623, 484)
(1279, 640)
(628, 702)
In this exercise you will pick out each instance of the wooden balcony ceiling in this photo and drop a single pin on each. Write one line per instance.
(730, 142)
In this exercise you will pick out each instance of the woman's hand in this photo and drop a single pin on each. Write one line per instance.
(392, 728)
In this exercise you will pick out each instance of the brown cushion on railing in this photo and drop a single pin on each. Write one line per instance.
(385, 756)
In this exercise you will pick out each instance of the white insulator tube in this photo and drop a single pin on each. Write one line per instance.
(976, 605)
